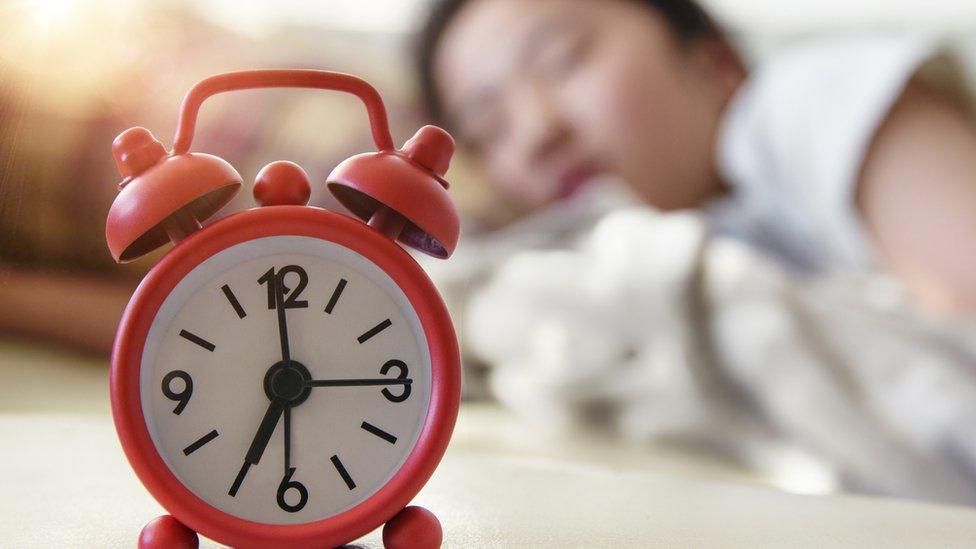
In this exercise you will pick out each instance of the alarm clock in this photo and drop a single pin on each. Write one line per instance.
(287, 375)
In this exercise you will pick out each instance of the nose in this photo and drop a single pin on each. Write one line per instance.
(541, 130)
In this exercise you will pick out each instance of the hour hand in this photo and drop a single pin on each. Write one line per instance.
(260, 442)
(265, 430)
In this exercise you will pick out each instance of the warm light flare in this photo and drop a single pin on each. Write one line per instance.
(49, 16)
(64, 51)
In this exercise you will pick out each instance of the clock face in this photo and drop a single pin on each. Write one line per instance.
(285, 379)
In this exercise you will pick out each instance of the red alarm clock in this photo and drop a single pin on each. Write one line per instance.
(288, 375)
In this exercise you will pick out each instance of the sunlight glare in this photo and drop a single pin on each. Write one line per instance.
(48, 16)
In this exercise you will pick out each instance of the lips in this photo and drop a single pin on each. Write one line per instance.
(575, 178)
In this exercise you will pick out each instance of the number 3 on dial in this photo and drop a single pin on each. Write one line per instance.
(402, 376)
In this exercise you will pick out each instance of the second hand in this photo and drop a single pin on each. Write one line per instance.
(355, 382)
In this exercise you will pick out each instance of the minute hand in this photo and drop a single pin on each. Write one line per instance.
(279, 290)
(356, 382)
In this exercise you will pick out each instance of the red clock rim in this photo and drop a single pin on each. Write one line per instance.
(353, 523)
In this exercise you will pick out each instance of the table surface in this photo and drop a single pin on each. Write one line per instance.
(500, 485)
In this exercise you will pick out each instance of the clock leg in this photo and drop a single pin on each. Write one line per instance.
(169, 533)
(413, 528)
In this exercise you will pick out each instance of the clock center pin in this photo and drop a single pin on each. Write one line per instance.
(286, 380)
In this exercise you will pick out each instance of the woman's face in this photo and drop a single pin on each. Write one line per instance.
(551, 94)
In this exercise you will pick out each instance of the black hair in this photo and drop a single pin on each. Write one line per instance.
(687, 20)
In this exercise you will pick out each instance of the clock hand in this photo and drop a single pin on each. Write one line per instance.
(261, 438)
(263, 435)
(356, 382)
(282, 323)
(287, 420)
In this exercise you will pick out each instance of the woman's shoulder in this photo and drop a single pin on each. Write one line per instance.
(828, 77)
(794, 136)
(840, 51)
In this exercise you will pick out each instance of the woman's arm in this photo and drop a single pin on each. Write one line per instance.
(917, 193)
(80, 311)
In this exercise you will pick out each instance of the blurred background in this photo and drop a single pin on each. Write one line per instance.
(75, 73)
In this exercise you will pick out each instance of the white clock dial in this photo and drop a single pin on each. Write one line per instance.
(218, 389)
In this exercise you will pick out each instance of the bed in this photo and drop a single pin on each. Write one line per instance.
(501, 484)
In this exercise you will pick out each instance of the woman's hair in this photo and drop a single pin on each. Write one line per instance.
(687, 20)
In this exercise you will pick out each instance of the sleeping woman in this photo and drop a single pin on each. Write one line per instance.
(840, 155)
(848, 161)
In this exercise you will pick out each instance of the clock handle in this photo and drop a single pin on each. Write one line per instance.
(282, 78)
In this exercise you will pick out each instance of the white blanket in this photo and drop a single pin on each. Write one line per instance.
(598, 311)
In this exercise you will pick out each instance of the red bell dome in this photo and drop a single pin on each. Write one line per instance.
(409, 182)
(162, 197)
